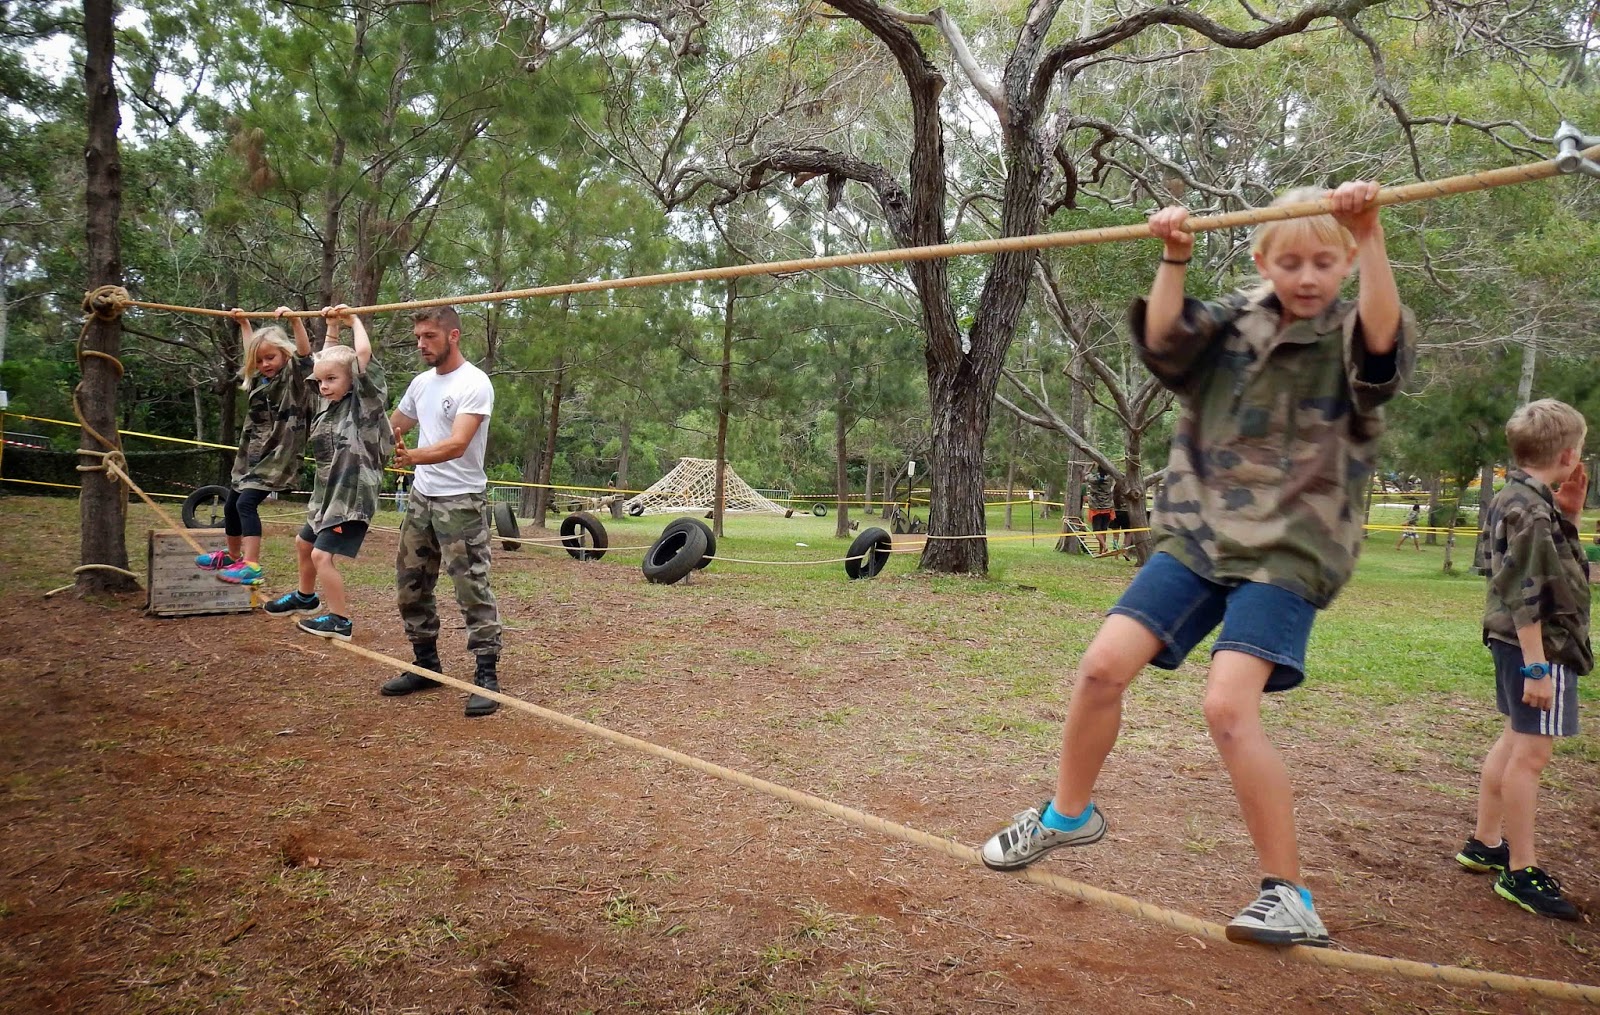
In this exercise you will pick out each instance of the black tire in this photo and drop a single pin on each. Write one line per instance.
(505, 525)
(635, 510)
(673, 557)
(869, 553)
(591, 527)
(203, 508)
(705, 530)
(820, 510)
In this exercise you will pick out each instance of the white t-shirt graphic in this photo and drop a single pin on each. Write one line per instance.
(434, 400)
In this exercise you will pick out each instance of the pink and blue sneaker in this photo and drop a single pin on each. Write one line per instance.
(216, 560)
(245, 572)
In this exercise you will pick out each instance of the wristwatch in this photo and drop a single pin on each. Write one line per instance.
(1536, 671)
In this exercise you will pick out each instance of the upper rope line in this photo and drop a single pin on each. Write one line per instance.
(1406, 194)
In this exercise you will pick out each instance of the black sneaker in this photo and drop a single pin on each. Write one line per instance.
(293, 604)
(477, 704)
(405, 682)
(328, 625)
(1537, 892)
(1481, 859)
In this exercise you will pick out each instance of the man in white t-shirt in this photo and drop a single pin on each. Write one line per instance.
(447, 513)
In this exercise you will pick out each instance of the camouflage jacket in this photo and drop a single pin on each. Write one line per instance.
(351, 440)
(1102, 496)
(277, 417)
(1275, 440)
(1533, 557)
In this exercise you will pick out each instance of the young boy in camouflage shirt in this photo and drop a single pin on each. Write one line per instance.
(1280, 391)
(1536, 625)
(351, 441)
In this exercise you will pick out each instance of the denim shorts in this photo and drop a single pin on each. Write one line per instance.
(1181, 608)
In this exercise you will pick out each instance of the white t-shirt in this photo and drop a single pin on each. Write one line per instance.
(434, 400)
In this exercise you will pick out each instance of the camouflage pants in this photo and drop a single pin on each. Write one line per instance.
(453, 530)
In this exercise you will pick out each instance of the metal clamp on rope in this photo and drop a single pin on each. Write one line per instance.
(1570, 143)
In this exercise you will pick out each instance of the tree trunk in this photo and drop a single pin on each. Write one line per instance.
(547, 468)
(531, 457)
(1530, 357)
(1011, 468)
(1134, 496)
(866, 497)
(960, 410)
(841, 472)
(724, 403)
(624, 440)
(103, 503)
(1432, 538)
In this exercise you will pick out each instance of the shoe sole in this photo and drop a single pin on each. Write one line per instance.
(1509, 897)
(1099, 833)
(299, 611)
(331, 635)
(1273, 938)
(480, 713)
(234, 581)
(1479, 868)
(414, 690)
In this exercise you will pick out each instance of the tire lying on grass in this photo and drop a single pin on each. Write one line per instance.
(673, 557)
(705, 530)
(590, 526)
(635, 510)
(868, 554)
(505, 525)
(203, 508)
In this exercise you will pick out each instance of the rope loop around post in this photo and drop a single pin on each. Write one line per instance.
(107, 302)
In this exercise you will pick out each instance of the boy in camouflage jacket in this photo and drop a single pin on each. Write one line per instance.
(351, 441)
(1280, 391)
(1536, 625)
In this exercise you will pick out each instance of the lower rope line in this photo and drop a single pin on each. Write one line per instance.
(1353, 961)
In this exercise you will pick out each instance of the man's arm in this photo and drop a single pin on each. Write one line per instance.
(401, 424)
(447, 450)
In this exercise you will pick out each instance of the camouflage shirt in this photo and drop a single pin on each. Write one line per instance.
(351, 441)
(1533, 557)
(277, 416)
(1275, 440)
(1101, 494)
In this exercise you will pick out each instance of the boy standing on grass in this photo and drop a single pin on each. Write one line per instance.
(1280, 390)
(1536, 624)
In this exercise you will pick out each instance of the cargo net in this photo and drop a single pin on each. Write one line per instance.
(692, 486)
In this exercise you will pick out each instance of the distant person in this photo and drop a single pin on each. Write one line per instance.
(1254, 527)
(1536, 625)
(1102, 505)
(276, 374)
(1410, 531)
(447, 513)
(350, 441)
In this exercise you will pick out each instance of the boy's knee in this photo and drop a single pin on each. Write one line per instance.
(321, 558)
(1531, 752)
(1227, 714)
(1103, 674)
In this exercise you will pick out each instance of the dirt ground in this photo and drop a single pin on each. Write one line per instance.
(219, 813)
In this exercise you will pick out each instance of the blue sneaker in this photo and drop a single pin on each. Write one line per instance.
(216, 560)
(245, 572)
(293, 604)
(328, 625)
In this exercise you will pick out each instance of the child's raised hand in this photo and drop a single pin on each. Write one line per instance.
(237, 313)
(1355, 206)
(278, 313)
(1570, 495)
(1166, 225)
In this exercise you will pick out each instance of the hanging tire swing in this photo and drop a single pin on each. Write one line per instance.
(673, 557)
(505, 526)
(583, 536)
(203, 508)
(868, 554)
(705, 530)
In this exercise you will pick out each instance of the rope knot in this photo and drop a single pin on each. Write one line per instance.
(106, 303)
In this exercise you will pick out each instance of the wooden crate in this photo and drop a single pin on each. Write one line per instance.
(179, 589)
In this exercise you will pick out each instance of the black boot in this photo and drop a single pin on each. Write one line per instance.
(485, 678)
(405, 682)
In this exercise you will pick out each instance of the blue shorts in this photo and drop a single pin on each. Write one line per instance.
(1562, 718)
(1181, 608)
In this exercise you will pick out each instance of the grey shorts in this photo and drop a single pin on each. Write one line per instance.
(1562, 718)
(342, 540)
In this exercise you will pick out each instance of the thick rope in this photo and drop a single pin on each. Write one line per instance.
(1355, 961)
(1427, 190)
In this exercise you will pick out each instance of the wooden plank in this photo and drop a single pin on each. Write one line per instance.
(178, 589)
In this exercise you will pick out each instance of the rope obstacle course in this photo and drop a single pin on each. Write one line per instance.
(109, 302)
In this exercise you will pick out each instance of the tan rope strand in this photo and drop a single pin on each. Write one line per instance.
(1355, 961)
(1408, 193)
(166, 519)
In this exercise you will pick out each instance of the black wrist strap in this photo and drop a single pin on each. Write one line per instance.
(1174, 260)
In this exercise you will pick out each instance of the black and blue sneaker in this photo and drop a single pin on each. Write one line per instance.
(293, 604)
(328, 625)
(1481, 859)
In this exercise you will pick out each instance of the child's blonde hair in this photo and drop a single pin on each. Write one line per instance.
(273, 336)
(1539, 431)
(1322, 228)
(340, 356)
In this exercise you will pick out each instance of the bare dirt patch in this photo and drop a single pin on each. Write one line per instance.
(220, 813)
